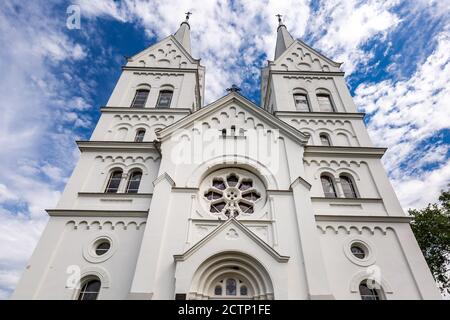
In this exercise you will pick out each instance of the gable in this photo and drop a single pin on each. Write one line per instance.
(168, 53)
(232, 235)
(234, 110)
(301, 57)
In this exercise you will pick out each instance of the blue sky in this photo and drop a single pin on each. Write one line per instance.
(396, 56)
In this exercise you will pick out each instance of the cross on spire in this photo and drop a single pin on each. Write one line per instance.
(279, 18)
(188, 14)
(234, 88)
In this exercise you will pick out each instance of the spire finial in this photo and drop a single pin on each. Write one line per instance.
(187, 15)
(279, 19)
(234, 88)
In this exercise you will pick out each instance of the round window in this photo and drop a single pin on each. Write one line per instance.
(232, 192)
(358, 250)
(102, 247)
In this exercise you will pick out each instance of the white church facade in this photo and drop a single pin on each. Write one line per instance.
(174, 199)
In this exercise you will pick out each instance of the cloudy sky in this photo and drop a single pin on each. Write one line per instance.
(53, 80)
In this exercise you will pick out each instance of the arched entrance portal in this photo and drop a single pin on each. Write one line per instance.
(231, 275)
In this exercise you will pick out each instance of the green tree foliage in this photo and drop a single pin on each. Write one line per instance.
(431, 226)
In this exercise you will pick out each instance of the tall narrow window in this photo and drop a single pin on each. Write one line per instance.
(325, 139)
(230, 287)
(139, 135)
(368, 293)
(325, 104)
(164, 99)
(114, 181)
(90, 289)
(328, 186)
(134, 182)
(140, 98)
(348, 187)
(218, 290)
(301, 102)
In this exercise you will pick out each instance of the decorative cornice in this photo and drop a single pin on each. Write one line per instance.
(177, 44)
(97, 213)
(359, 218)
(115, 145)
(339, 115)
(160, 70)
(111, 109)
(366, 152)
(297, 74)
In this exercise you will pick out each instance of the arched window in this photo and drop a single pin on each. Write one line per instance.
(325, 139)
(348, 186)
(233, 130)
(140, 98)
(231, 287)
(243, 291)
(134, 182)
(164, 99)
(90, 289)
(301, 102)
(114, 181)
(218, 290)
(368, 292)
(325, 104)
(328, 186)
(139, 135)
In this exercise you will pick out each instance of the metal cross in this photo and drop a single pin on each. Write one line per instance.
(279, 17)
(234, 88)
(188, 14)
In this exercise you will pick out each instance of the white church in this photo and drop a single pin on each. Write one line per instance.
(174, 199)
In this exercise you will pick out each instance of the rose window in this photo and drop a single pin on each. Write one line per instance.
(232, 193)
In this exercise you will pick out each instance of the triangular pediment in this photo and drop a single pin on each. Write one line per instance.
(301, 57)
(234, 110)
(167, 53)
(231, 231)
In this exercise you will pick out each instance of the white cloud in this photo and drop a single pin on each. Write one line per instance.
(404, 115)
(5, 194)
(341, 28)
(18, 237)
(226, 36)
(34, 155)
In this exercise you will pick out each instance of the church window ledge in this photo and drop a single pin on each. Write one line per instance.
(97, 213)
(371, 152)
(114, 145)
(114, 195)
(315, 114)
(232, 137)
(128, 110)
(350, 200)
